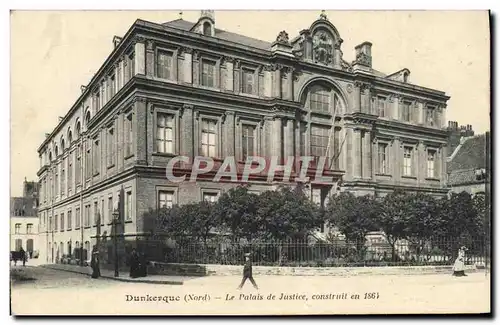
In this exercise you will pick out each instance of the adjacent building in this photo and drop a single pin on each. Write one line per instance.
(24, 220)
(192, 89)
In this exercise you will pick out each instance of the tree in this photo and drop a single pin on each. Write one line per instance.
(237, 212)
(393, 218)
(354, 216)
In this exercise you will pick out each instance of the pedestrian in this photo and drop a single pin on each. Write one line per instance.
(459, 266)
(94, 263)
(134, 264)
(22, 255)
(247, 272)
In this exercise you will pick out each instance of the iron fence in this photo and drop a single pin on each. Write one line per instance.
(438, 251)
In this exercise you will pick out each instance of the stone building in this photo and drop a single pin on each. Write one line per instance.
(192, 89)
(24, 220)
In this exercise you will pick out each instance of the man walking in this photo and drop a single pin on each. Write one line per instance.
(247, 272)
(94, 263)
(22, 255)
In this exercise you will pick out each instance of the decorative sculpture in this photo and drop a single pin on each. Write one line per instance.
(323, 48)
(282, 37)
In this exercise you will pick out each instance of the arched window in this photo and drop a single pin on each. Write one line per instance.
(56, 152)
(207, 29)
(70, 137)
(50, 156)
(87, 118)
(319, 100)
(62, 144)
(78, 129)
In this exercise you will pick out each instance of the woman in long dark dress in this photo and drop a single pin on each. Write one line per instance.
(459, 266)
(134, 264)
(94, 263)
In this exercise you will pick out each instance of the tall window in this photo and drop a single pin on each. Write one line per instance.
(319, 141)
(110, 209)
(97, 157)
(207, 29)
(70, 171)
(78, 165)
(210, 197)
(56, 221)
(88, 159)
(128, 135)
(208, 137)
(247, 82)
(70, 219)
(164, 133)
(96, 213)
(112, 86)
(431, 163)
(56, 180)
(382, 158)
(62, 221)
(381, 106)
(164, 64)
(111, 146)
(128, 206)
(407, 159)
(430, 116)
(320, 101)
(29, 228)
(165, 199)
(208, 73)
(406, 111)
(17, 228)
(63, 176)
(77, 218)
(97, 100)
(87, 216)
(248, 141)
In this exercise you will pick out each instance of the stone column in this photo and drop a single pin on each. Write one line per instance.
(289, 85)
(421, 162)
(195, 68)
(277, 90)
(442, 154)
(187, 131)
(356, 154)
(140, 138)
(229, 135)
(395, 159)
(356, 97)
(150, 59)
(268, 85)
(236, 77)
(140, 57)
(288, 137)
(367, 155)
(150, 131)
(366, 99)
(395, 108)
(229, 82)
(420, 108)
(276, 138)
(187, 66)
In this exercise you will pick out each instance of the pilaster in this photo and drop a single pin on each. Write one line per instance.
(187, 131)
(357, 154)
(288, 136)
(229, 135)
(150, 58)
(139, 120)
(140, 56)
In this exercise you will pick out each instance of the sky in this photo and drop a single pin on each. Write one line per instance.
(54, 52)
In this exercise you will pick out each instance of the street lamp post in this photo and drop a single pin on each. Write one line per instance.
(116, 218)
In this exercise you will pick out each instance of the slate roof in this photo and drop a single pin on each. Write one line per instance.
(22, 207)
(467, 158)
(222, 34)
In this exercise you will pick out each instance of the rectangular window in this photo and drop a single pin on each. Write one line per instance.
(78, 165)
(319, 141)
(320, 101)
(112, 86)
(164, 65)
(382, 158)
(165, 199)
(70, 219)
(430, 116)
(96, 213)
(29, 228)
(17, 229)
(406, 111)
(210, 197)
(128, 135)
(164, 133)
(248, 141)
(56, 221)
(70, 172)
(208, 73)
(111, 146)
(77, 218)
(62, 221)
(88, 163)
(407, 160)
(128, 206)
(110, 209)
(431, 163)
(97, 157)
(381, 106)
(248, 81)
(208, 138)
(87, 216)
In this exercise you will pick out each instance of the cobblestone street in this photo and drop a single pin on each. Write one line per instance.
(66, 293)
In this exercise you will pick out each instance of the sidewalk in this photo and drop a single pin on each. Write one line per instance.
(124, 277)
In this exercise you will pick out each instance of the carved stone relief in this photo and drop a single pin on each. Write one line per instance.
(323, 48)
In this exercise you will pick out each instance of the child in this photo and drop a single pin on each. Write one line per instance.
(459, 266)
(247, 272)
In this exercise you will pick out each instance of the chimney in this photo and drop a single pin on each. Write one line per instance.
(116, 41)
(364, 54)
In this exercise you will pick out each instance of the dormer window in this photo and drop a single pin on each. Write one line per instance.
(207, 29)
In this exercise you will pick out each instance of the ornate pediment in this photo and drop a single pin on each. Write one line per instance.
(323, 47)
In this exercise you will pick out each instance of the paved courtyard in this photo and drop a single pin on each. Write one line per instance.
(57, 292)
